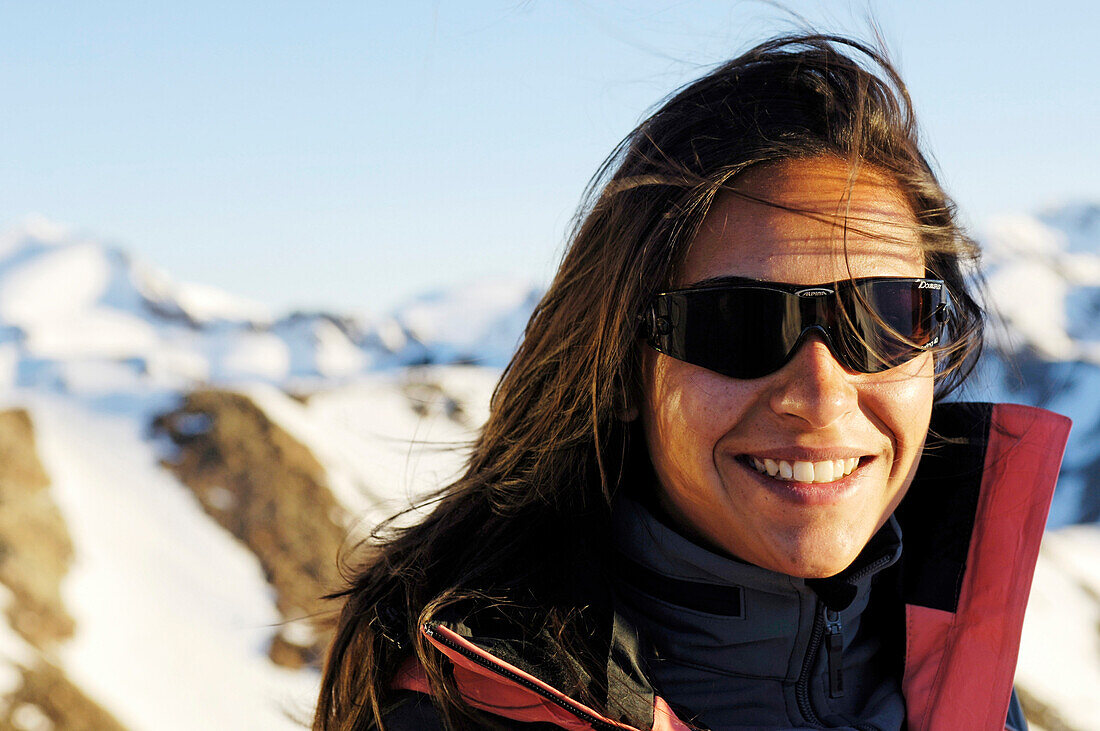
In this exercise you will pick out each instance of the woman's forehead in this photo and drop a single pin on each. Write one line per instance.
(807, 221)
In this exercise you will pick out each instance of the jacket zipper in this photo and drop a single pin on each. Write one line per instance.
(802, 687)
(834, 647)
(827, 626)
(595, 721)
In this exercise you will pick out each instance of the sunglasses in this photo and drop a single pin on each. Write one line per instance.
(744, 328)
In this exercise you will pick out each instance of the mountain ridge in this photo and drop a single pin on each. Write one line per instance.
(77, 315)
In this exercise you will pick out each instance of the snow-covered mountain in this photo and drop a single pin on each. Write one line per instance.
(159, 426)
(69, 303)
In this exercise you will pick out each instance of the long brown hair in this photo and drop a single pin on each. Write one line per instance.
(523, 526)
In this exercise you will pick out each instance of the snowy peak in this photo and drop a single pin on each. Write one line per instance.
(195, 304)
(34, 232)
(70, 298)
(74, 309)
(1044, 281)
(48, 269)
(475, 323)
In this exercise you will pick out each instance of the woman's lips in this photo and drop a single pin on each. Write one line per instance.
(829, 470)
(804, 487)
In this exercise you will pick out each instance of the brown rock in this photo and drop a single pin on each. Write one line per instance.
(35, 548)
(270, 492)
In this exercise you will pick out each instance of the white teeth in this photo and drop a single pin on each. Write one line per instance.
(824, 471)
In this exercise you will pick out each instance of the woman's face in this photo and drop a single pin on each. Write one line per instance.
(704, 429)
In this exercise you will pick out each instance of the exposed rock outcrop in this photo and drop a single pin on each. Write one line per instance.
(35, 553)
(35, 549)
(270, 492)
(47, 699)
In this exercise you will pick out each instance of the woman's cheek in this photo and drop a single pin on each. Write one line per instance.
(902, 408)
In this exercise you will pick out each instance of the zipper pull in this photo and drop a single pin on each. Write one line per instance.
(834, 646)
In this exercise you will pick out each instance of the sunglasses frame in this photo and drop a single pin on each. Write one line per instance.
(819, 311)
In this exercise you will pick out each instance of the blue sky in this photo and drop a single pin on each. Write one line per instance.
(349, 155)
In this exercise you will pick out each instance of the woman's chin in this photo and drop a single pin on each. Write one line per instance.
(812, 556)
(816, 570)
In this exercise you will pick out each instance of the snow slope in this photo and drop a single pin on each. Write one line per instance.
(390, 437)
(173, 615)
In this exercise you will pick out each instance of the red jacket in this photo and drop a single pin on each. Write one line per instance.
(973, 520)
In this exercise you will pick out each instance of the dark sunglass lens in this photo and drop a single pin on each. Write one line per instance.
(738, 332)
(888, 322)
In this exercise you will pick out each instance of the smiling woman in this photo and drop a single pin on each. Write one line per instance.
(719, 486)
(706, 433)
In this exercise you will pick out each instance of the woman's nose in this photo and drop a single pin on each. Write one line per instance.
(813, 387)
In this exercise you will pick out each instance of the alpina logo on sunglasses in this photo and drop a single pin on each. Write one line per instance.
(744, 328)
